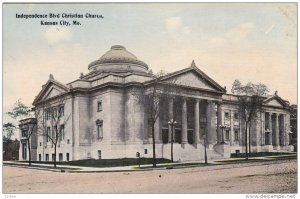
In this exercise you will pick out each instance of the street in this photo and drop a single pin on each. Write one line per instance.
(262, 177)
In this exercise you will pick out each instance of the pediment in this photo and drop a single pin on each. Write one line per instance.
(194, 77)
(192, 80)
(274, 102)
(51, 89)
(52, 92)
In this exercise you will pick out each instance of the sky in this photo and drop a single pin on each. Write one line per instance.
(254, 42)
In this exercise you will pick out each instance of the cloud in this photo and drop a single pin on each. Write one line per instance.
(187, 29)
(58, 34)
(217, 42)
(173, 23)
(241, 31)
(270, 29)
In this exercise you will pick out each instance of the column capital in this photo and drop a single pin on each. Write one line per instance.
(197, 100)
(184, 98)
(172, 97)
(219, 103)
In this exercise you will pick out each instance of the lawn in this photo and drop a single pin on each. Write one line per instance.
(259, 154)
(109, 162)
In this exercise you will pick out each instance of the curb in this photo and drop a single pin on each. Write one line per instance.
(66, 170)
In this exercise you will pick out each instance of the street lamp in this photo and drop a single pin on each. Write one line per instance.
(222, 127)
(205, 155)
(172, 123)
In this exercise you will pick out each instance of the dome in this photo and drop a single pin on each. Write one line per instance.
(118, 59)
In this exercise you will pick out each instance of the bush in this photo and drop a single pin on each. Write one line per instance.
(258, 154)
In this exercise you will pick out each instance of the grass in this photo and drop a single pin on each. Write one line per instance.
(108, 162)
(259, 154)
(288, 156)
(147, 162)
(179, 165)
(38, 166)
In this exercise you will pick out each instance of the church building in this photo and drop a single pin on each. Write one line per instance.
(100, 118)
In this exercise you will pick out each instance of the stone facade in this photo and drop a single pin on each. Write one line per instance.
(102, 118)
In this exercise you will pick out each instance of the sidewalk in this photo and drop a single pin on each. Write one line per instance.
(148, 167)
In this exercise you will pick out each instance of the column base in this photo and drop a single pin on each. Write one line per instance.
(277, 148)
(223, 149)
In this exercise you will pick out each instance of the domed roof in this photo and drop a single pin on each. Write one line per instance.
(117, 55)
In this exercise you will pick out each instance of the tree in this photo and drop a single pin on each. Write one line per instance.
(150, 95)
(56, 115)
(8, 129)
(250, 97)
(30, 126)
(20, 111)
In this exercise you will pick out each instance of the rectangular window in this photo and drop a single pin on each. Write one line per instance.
(24, 133)
(48, 134)
(60, 157)
(99, 106)
(62, 132)
(145, 151)
(226, 115)
(47, 114)
(61, 111)
(236, 135)
(55, 112)
(53, 157)
(236, 116)
(40, 157)
(54, 131)
(68, 141)
(68, 156)
(227, 134)
(99, 131)
(47, 157)
(99, 154)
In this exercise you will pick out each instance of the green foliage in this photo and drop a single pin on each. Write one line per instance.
(249, 89)
(161, 73)
(109, 162)
(19, 110)
(259, 154)
(251, 97)
(8, 129)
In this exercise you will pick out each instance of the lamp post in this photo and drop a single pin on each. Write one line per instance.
(205, 155)
(222, 127)
(172, 123)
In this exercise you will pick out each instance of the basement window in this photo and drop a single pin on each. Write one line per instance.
(99, 106)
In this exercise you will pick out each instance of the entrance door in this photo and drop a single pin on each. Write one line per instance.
(24, 151)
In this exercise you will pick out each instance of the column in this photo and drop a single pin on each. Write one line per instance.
(197, 118)
(171, 116)
(184, 122)
(271, 129)
(283, 130)
(211, 123)
(276, 129)
(157, 130)
(219, 122)
(287, 129)
(231, 137)
(263, 119)
(157, 127)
